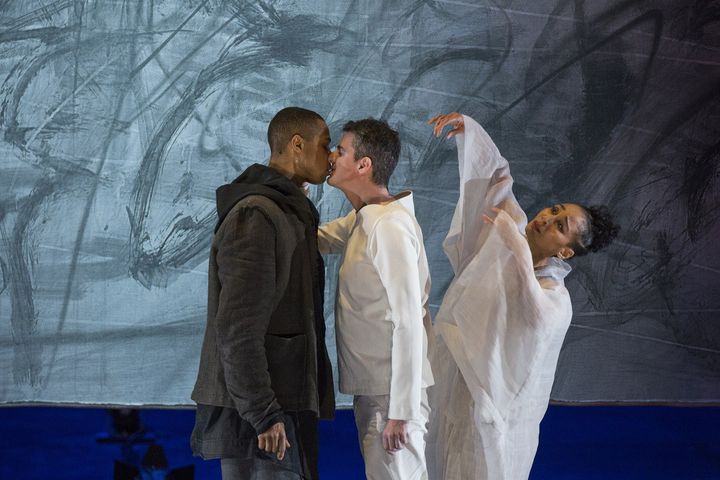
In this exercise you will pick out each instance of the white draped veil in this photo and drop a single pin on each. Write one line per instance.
(500, 326)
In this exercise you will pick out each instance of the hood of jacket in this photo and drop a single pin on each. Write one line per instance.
(262, 180)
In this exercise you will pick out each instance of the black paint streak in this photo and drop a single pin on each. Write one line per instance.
(700, 179)
(5, 277)
(606, 93)
(278, 38)
(674, 122)
(27, 360)
(142, 65)
(88, 206)
(48, 35)
(40, 15)
(666, 193)
(654, 16)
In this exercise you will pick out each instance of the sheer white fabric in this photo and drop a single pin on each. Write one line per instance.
(498, 331)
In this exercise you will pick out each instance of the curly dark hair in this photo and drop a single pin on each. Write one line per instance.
(376, 140)
(600, 230)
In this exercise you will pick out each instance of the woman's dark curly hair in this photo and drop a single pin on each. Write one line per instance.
(600, 230)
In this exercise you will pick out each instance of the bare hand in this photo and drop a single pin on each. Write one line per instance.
(274, 440)
(394, 435)
(441, 121)
(489, 220)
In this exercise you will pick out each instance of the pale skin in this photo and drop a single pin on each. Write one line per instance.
(552, 232)
(302, 160)
(354, 178)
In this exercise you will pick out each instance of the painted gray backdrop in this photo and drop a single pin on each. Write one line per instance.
(120, 118)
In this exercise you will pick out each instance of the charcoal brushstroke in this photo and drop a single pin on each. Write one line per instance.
(119, 119)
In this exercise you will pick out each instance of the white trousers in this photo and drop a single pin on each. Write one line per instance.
(405, 464)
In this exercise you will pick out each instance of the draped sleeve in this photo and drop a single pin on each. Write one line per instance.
(497, 320)
(485, 182)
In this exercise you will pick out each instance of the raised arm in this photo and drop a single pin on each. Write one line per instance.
(485, 182)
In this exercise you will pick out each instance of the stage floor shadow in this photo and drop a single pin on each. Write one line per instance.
(578, 443)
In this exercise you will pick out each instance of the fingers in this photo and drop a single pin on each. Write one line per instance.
(386, 442)
(282, 446)
(267, 442)
(441, 121)
(274, 441)
(394, 441)
(399, 440)
(392, 444)
(489, 220)
(455, 131)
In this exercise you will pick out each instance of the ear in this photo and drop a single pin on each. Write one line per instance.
(297, 143)
(364, 166)
(565, 253)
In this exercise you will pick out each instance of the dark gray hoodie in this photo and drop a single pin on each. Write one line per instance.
(264, 347)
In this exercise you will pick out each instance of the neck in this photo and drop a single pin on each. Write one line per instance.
(538, 259)
(369, 194)
(286, 167)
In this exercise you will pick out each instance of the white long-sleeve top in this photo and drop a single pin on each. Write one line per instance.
(502, 323)
(381, 319)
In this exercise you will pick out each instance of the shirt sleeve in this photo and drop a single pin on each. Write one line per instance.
(246, 262)
(502, 324)
(332, 236)
(394, 249)
(485, 183)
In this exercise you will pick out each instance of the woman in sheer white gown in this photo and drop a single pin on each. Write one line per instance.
(504, 316)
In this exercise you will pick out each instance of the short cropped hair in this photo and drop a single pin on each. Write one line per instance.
(599, 232)
(376, 140)
(291, 121)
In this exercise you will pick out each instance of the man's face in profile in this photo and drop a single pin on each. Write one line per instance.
(314, 164)
(342, 161)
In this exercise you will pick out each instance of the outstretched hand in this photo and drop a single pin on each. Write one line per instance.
(453, 119)
(274, 440)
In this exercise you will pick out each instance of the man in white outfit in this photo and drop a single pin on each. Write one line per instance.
(380, 314)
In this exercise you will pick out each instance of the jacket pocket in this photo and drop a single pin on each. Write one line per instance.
(286, 356)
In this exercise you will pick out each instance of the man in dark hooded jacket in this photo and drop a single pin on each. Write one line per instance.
(264, 376)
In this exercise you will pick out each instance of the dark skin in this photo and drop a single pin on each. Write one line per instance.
(302, 160)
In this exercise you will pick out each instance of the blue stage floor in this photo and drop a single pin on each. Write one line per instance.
(579, 443)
